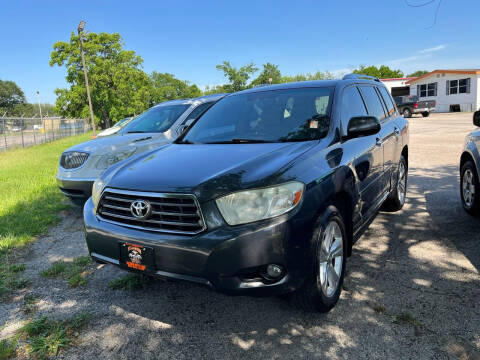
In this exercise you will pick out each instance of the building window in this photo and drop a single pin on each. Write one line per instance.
(427, 90)
(461, 86)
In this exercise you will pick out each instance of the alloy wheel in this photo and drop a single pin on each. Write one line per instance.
(402, 182)
(468, 188)
(331, 259)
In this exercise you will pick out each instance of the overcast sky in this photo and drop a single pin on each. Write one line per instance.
(188, 38)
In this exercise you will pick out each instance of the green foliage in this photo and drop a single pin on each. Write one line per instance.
(383, 72)
(118, 85)
(237, 78)
(319, 75)
(74, 272)
(10, 94)
(10, 277)
(8, 347)
(129, 282)
(406, 318)
(31, 201)
(270, 71)
(418, 73)
(46, 337)
(166, 87)
(30, 303)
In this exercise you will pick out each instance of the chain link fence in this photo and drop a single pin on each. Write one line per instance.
(22, 132)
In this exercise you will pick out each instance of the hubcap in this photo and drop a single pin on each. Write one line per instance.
(468, 187)
(331, 259)
(402, 182)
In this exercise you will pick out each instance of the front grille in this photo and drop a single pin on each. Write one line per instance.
(73, 159)
(172, 213)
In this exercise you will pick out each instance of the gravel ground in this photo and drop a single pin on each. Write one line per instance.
(423, 260)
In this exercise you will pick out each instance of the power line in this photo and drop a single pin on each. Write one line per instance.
(439, 2)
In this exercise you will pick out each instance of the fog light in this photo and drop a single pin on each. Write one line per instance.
(274, 271)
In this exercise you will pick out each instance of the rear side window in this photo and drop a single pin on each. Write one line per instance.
(388, 101)
(374, 106)
(352, 105)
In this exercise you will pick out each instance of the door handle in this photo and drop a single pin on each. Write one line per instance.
(378, 142)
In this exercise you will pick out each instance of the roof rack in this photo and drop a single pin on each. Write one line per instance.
(360, 76)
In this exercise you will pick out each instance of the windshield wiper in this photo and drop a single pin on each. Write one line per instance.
(242, 141)
(136, 132)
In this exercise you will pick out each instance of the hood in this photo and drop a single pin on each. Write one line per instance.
(103, 145)
(209, 170)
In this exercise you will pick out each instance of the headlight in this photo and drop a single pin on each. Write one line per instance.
(97, 189)
(112, 158)
(253, 205)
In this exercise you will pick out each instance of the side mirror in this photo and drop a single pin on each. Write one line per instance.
(476, 118)
(185, 126)
(363, 126)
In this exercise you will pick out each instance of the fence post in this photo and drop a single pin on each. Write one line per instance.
(5, 133)
(34, 136)
(44, 125)
(23, 123)
(53, 130)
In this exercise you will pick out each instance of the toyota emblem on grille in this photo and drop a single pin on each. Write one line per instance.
(141, 209)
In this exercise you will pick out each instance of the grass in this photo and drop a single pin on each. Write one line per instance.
(30, 197)
(129, 282)
(74, 272)
(30, 202)
(30, 303)
(44, 337)
(406, 318)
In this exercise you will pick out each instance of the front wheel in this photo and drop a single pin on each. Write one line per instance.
(396, 200)
(323, 285)
(407, 113)
(469, 188)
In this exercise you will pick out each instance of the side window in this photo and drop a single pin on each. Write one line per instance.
(352, 105)
(388, 101)
(199, 110)
(374, 106)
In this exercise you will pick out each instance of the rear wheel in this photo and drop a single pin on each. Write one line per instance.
(396, 200)
(425, 114)
(407, 113)
(469, 188)
(323, 285)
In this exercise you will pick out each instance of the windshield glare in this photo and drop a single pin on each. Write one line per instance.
(276, 115)
(156, 119)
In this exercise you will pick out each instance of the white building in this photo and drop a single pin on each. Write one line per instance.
(398, 86)
(453, 90)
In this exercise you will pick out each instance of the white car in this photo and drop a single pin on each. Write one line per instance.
(82, 164)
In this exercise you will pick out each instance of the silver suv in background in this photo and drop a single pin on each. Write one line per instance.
(82, 164)
(469, 170)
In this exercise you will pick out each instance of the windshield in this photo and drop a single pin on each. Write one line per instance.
(156, 119)
(266, 116)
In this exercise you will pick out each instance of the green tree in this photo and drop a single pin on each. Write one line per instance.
(319, 75)
(10, 95)
(166, 87)
(270, 71)
(382, 72)
(237, 78)
(118, 85)
(418, 73)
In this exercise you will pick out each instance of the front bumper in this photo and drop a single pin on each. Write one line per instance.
(80, 188)
(227, 258)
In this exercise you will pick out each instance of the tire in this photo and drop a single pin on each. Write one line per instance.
(396, 199)
(407, 113)
(469, 188)
(323, 285)
(425, 114)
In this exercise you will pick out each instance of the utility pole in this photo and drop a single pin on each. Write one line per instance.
(81, 26)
